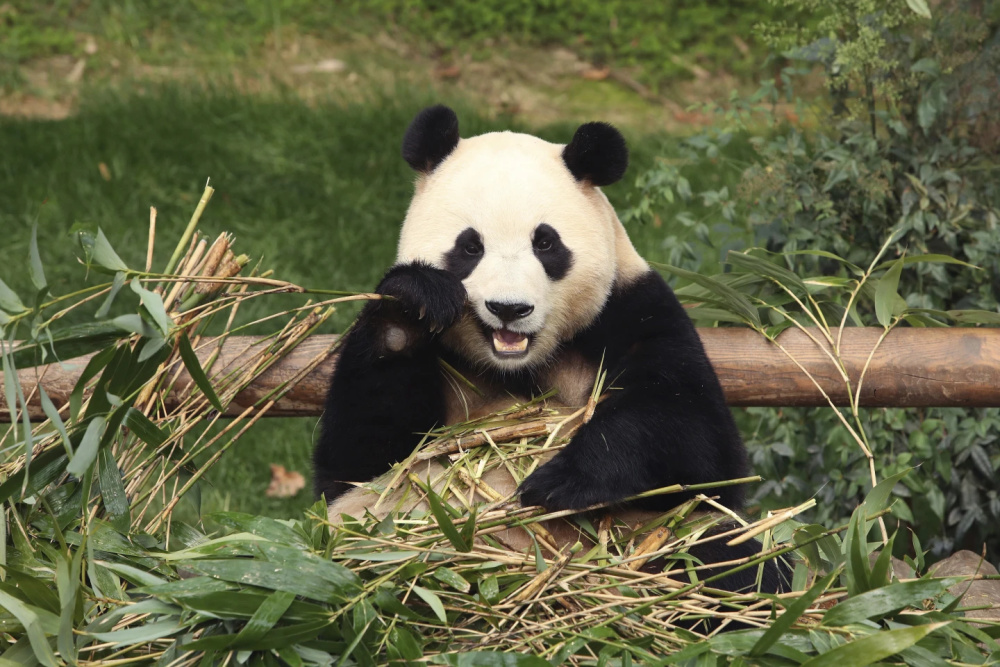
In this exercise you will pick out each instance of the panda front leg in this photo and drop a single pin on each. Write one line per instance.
(387, 387)
(664, 420)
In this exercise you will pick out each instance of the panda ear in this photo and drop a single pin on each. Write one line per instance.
(597, 154)
(431, 137)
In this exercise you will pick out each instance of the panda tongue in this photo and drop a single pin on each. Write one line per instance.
(509, 341)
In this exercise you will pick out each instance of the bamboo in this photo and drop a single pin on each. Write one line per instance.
(957, 367)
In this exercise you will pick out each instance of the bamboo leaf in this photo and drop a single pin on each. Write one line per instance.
(116, 285)
(141, 634)
(86, 453)
(197, 374)
(452, 578)
(27, 616)
(153, 304)
(105, 255)
(445, 522)
(93, 367)
(792, 614)
(433, 601)
(53, 414)
(872, 648)
(886, 293)
(975, 317)
(736, 302)
(35, 269)
(9, 300)
(264, 619)
(878, 498)
(919, 8)
(145, 429)
(762, 267)
(68, 343)
(876, 603)
(113, 490)
(931, 258)
(490, 659)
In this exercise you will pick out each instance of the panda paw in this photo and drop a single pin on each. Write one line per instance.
(559, 485)
(425, 300)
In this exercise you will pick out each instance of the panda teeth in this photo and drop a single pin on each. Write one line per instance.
(509, 341)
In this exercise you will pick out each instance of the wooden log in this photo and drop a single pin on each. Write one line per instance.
(957, 367)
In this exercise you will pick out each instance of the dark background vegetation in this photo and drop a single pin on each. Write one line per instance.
(863, 119)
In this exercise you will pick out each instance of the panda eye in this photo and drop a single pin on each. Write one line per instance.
(543, 244)
(473, 249)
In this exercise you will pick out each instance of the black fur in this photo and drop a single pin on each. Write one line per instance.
(430, 138)
(381, 399)
(665, 422)
(548, 247)
(597, 154)
(463, 258)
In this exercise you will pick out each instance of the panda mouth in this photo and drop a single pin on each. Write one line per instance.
(508, 343)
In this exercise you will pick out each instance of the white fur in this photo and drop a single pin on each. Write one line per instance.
(504, 185)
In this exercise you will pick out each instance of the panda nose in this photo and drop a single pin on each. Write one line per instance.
(509, 312)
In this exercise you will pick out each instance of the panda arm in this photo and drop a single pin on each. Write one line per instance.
(664, 421)
(387, 387)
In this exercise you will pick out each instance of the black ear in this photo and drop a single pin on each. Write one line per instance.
(597, 154)
(431, 137)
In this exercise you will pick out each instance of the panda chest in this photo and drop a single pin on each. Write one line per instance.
(570, 376)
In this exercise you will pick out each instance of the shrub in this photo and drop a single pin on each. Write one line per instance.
(904, 140)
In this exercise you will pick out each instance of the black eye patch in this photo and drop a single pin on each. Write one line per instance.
(466, 253)
(555, 257)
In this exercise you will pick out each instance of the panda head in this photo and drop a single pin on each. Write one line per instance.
(524, 225)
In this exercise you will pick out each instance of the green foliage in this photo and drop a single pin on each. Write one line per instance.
(665, 38)
(909, 144)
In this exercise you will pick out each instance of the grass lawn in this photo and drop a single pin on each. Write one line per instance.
(317, 191)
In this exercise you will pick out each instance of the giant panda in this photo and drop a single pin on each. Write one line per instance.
(513, 268)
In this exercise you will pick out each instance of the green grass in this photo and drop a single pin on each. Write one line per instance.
(317, 192)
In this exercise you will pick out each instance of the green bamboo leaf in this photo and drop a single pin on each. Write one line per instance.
(153, 304)
(197, 374)
(762, 267)
(9, 300)
(886, 293)
(69, 343)
(468, 532)
(113, 490)
(93, 367)
(35, 269)
(86, 453)
(141, 634)
(975, 317)
(273, 576)
(919, 8)
(490, 659)
(433, 601)
(29, 619)
(144, 429)
(445, 523)
(792, 614)
(733, 300)
(872, 648)
(878, 498)
(105, 255)
(876, 603)
(116, 286)
(928, 259)
(134, 323)
(854, 268)
(264, 619)
(856, 553)
(452, 578)
(53, 414)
